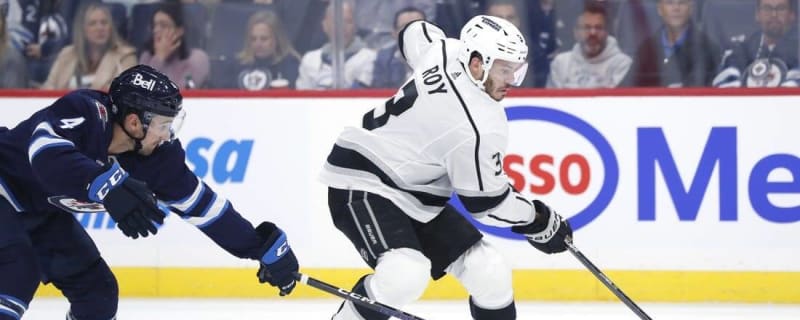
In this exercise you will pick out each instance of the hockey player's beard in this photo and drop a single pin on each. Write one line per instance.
(493, 90)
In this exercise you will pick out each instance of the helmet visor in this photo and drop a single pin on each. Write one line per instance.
(512, 73)
(166, 128)
(177, 124)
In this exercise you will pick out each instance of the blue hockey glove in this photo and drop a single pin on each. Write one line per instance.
(132, 205)
(278, 263)
(548, 231)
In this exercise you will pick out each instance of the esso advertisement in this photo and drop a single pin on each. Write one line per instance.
(691, 184)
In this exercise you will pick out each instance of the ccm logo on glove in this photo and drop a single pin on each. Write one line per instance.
(109, 180)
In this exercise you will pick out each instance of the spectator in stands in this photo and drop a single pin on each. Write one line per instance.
(505, 9)
(169, 52)
(316, 71)
(767, 58)
(301, 19)
(374, 19)
(542, 41)
(13, 73)
(595, 61)
(267, 60)
(451, 15)
(391, 69)
(97, 53)
(38, 30)
(678, 55)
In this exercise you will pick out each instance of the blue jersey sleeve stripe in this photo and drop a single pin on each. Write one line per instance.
(215, 208)
(18, 302)
(188, 203)
(45, 142)
(222, 212)
(11, 313)
(45, 127)
(5, 192)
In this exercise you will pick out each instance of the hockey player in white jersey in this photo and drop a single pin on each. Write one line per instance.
(443, 132)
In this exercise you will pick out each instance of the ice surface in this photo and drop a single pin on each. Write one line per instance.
(226, 309)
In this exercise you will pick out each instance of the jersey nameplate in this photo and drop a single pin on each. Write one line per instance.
(431, 77)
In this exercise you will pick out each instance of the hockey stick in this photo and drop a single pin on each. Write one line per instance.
(605, 280)
(355, 298)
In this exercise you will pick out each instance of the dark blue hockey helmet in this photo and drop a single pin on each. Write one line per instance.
(141, 90)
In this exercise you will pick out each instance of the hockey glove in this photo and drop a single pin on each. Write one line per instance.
(132, 205)
(548, 231)
(278, 263)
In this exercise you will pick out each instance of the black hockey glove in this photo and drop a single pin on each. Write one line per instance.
(278, 263)
(548, 231)
(132, 205)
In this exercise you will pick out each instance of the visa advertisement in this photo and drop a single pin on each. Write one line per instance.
(648, 183)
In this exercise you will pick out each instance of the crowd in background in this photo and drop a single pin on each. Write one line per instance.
(263, 44)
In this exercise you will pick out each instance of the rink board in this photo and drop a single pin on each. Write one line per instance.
(679, 198)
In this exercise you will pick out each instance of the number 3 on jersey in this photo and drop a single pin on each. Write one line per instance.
(393, 106)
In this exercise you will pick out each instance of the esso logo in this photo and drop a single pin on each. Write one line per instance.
(558, 158)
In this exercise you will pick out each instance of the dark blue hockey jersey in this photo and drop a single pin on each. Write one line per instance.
(751, 58)
(61, 148)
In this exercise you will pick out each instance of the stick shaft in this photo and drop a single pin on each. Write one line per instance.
(355, 298)
(606, 281)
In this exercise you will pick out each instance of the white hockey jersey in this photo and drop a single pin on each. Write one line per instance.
(439, 134)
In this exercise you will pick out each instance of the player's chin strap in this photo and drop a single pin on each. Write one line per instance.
(137, 142)
(478, 82)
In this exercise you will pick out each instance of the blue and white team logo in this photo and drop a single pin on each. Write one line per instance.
(561, 159)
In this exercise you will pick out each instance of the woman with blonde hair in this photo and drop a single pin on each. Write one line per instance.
(96, 56)
(267, 60)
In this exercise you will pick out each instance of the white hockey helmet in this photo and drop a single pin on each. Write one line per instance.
(494, 38)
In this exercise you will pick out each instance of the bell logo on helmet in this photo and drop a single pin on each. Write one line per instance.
(138, 80)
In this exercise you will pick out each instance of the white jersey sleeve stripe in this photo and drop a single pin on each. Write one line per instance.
(45, 142)
(44, 126)
(188, 203)
(215, 210)
(5, 192)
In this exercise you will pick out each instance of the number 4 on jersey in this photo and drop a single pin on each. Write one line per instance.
(71, 123)
(391, 107)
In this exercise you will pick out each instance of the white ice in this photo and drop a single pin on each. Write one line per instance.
(219, 309)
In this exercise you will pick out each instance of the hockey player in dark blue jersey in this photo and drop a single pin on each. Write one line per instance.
(117, 149)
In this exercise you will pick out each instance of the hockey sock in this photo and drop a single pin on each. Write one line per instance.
(93, 293)
(18, 264)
